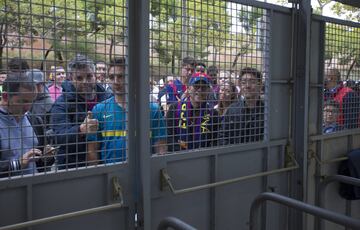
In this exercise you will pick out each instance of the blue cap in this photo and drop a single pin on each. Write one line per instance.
(199, 77)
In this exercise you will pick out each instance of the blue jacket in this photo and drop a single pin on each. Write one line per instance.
(67, 114)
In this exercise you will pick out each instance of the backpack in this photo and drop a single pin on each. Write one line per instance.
(351, 168)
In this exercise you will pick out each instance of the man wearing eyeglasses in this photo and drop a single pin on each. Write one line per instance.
(244, 120)
(347, 99)
(192, 122)
(70, 119)
(108, 144)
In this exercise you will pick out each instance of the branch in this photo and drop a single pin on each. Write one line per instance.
(351, 67)
(240, 53)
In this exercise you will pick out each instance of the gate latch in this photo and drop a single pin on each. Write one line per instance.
(117, 190)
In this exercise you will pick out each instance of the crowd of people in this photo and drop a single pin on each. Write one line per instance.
(77, 116)
(341, 108)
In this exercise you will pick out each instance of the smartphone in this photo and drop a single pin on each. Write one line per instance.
(53, 149)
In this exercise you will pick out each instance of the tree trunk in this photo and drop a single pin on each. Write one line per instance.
(112, 44)
(239, 54)
(351, 67)
(173, 62)
(3, 42)
(46, 55)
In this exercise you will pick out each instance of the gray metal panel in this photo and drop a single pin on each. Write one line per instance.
(233, 201)
(315, 102)
(193, 208)
(42, 196)
(275, 218)
(13, 206)
(280, 67)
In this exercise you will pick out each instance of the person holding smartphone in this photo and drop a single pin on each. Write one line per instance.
(22, 151)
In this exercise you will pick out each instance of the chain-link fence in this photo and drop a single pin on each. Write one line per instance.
(341, 105)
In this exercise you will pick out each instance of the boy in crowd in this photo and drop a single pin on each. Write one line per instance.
(330, 115)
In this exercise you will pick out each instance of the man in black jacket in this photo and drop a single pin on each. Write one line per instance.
(244, 120)
(70, 119)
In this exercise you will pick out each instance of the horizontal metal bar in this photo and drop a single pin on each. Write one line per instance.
(337, 178)
(335, 21)
(263, 5)
(175, 223)
(166, 179)
(61, 175)
(328, 180)
(320, 162)
(200, 153)
(344, 133)
(298, 205)
(62, 216)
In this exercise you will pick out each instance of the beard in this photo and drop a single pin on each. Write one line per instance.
(88, 92)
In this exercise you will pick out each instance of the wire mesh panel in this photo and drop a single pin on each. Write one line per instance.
(209, 72)
(64, 84)
(341, 107)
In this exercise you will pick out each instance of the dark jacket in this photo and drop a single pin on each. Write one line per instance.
(242, 124)
(351, 110)
(67, 114)
(42, 106)
(351, 168)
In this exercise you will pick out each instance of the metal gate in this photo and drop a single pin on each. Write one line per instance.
(209, 181)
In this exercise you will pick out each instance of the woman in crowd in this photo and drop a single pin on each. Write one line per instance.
(227, 95)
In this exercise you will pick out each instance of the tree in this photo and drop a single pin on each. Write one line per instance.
(252, 20)
(206, 24)
(13, 25)
(70, 26)
(350, 12)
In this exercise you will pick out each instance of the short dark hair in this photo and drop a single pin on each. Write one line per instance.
(100, 62)
(252, 71)
(16, 80)
(212, 70)
(80, 62)
(335, 72)
(17, 64)
(188, 61)
(117, 61)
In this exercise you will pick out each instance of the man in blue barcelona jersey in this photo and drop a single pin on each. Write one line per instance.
(110, 140)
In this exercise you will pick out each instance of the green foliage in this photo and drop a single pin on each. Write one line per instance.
(69, 26)
(350, 13)
(343, 43)
(193, 27)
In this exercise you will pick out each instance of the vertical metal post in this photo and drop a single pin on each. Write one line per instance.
(139, 122)
(320, 144)
(213, 200)
(298, 188)
(184, 35)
